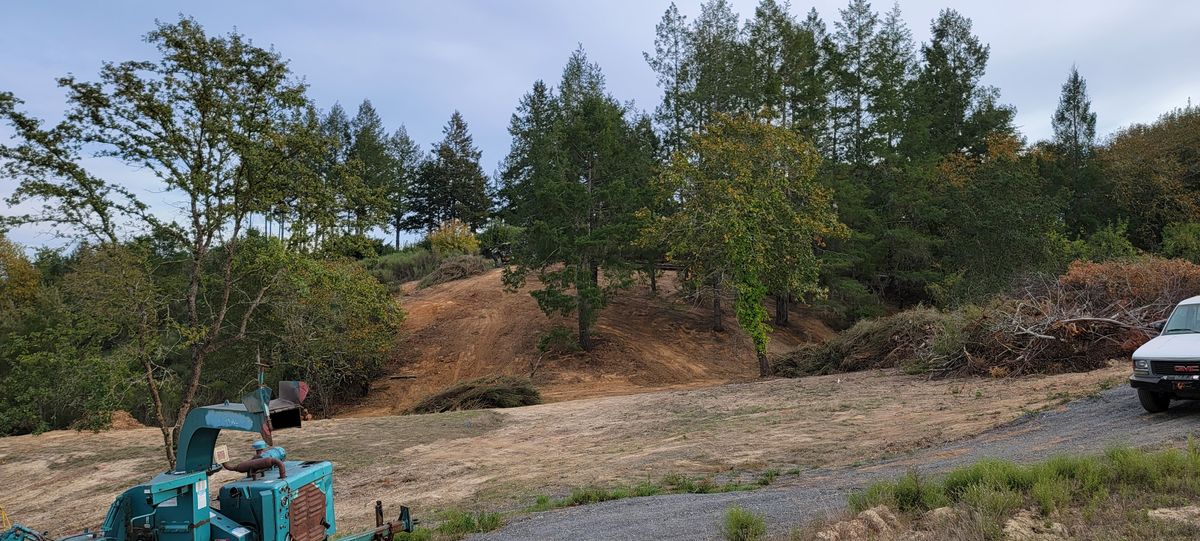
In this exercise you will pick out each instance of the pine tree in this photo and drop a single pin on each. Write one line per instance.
(806, 74)
(1074, 144)
(890, 67)
(574, 180)
(375, 166)
(952, 112)
(1074, 123)
(672, 63)
(450, 184)
(767, 37)
(406, 156)
(853, 85)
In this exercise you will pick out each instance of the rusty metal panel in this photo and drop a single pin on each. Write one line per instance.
(307, 514)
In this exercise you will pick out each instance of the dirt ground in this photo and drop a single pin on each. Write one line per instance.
(502, 459)
(470, 328)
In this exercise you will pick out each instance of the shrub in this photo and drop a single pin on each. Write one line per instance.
(907, 338)
(1110, 242)
(741, 524)
(399, 267)
(455, 268)
(481, 393)
(453, 238)
(1182, 240)
(559, 340)
(497, 239)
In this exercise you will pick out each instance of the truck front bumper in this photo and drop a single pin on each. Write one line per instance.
(1187, 387)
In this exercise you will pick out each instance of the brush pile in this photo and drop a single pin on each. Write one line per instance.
(482, 393)
(1079, 321)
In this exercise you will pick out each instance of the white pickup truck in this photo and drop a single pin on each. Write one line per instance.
(1168, 366)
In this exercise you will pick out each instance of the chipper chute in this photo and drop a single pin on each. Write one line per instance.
(278, 500)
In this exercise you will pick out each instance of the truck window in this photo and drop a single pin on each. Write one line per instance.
(1185, 319)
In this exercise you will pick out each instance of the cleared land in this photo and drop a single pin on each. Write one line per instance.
(469, 328)
(502, 459)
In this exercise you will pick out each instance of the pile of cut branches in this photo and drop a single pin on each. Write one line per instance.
(1076, 322)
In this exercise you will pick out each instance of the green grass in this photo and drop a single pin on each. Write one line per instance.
(670, 484)
(457, 524)
(1101, 487)
(740, 524)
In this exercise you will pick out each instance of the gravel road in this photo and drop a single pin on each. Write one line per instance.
(1084, 426)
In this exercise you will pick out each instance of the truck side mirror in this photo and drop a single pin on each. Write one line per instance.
(1158, 325)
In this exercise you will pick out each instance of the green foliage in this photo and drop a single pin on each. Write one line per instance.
(577, 174)
(457, 524)
(992, 490)
(559, 340)
(1153, 172)
(453, 237)
(1109, 243)
(485, 392)
(406, 265)
(498, 239)
(337, 328)
(750, 214)
(450, 184)
(740, 524)
(1182, 240)
(456, 268)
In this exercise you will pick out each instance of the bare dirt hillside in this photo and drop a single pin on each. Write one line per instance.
(502, 459)
(644, 341)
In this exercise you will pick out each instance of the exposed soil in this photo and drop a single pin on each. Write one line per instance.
(502, 459)
(645, 341)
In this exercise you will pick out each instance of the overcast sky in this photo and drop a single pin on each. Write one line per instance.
(419, 61)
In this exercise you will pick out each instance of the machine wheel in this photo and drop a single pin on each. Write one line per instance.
(1154, 402)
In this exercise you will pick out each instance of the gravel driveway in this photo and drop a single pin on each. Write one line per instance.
(1084, 426)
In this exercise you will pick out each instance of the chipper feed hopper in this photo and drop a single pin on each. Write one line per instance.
(278, 500)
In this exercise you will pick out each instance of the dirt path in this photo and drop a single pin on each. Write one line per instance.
(1085, 426)
(503, 459)
(644, 342)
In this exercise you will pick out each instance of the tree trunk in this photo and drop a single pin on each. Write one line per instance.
(397, 237)
(764, 367)
(781, 310)
(585, 308)
(718, 323)
(653, 270)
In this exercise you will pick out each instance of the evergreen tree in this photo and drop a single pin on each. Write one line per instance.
(853, 86)
(890, 66)
(951, 111)
(672, 62)
(768, 37)
(806, 73)
(406, 156)
(1074, 144)
(376, 168)
(450, 184)
(575, 178)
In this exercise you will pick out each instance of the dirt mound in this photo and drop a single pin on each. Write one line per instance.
(472, 328)
(122, 420)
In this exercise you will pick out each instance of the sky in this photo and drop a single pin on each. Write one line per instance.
(418, 61)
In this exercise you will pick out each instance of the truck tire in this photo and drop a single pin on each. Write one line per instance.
(1154, 402)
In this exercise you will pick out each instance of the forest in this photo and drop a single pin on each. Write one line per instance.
(829, 161)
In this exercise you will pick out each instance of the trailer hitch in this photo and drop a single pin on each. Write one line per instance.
(384, 531)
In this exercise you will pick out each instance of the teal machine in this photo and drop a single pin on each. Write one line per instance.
(278, 500)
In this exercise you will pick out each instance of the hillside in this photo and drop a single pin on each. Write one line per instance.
(644, 341)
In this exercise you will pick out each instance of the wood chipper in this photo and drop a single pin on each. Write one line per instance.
(278, 500)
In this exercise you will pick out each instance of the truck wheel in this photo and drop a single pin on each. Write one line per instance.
(1154, 402)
